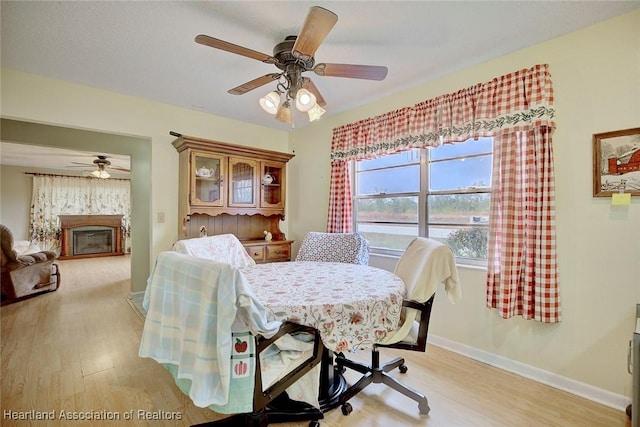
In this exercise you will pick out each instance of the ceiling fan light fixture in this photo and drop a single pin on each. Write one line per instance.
(305, 100)
(102, 174)
(294, 56)
(270, 102)
(284, 113)
(316, 112)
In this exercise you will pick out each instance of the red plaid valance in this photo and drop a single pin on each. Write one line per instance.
(517, 101)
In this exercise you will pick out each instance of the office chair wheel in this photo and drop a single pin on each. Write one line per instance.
(403, 368)
(314, 423)
(346, 408)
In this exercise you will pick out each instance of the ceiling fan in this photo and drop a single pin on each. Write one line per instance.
(294, 56)
(102, 164)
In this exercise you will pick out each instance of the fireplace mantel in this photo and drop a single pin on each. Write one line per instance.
(70, 222)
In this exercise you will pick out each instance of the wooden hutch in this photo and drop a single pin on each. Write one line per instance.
(227, 188)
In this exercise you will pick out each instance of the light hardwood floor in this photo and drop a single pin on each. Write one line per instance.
(76, 350)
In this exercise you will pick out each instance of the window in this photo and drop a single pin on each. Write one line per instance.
(441, 192)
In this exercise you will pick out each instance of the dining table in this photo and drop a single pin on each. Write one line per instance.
(352, 306)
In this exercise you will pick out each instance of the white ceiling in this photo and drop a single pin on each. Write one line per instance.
(146, 49)
(67, 161)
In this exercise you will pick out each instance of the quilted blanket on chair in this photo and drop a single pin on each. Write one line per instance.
(193, 305)
(224, 248)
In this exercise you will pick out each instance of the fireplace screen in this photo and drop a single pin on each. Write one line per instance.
(94, 240)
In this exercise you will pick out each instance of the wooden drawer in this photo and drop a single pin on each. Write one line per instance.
(256, 252)
(262, 251)
(279, 252)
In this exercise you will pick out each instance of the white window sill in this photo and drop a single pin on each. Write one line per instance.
(387, 262)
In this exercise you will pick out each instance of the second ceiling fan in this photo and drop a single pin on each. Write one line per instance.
(294, 56)
(102, 165)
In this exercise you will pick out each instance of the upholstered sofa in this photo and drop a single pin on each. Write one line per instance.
(25, 275)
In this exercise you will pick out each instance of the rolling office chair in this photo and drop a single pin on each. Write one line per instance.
(424, 264)
(350, 248)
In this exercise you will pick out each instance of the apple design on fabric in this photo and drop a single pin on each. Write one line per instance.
(241, 346)
(240, 368)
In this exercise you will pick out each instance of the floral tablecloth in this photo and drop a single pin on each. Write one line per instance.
(353, 306)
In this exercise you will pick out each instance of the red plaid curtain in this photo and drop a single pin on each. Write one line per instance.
(517, 110)
(340, 204)
(522, 276)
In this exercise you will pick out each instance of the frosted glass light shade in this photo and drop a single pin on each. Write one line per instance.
(284, 113)
(316, 112)
(305, 100)
(270, 102)
(102, 174)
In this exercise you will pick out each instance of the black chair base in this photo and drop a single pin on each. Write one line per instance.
(281, 410)
(376, 374)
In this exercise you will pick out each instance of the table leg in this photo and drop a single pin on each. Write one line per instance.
(332, 383)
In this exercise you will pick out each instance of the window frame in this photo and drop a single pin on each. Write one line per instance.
(422, 195)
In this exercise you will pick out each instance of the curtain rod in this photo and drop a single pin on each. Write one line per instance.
(71, 176)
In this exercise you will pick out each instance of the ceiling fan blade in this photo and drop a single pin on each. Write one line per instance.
(118, 168)
(368, 72)
(80, 165)
(317, 24)
(250, 85)
(234, 48)
(311, 87)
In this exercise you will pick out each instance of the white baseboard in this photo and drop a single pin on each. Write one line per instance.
(136, 299)
(136, 295)
(578, 388)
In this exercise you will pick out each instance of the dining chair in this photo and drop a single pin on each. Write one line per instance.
(423, 265)
(350, 248)
(205, 327)
(224, 248)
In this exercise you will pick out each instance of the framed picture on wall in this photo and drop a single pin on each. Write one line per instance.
(616, 162)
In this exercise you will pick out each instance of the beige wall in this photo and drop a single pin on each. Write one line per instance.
(15, 188)
(596, 77)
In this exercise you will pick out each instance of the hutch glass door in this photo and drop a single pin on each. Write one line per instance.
(272, 195)
(207, 180)
(242, 190)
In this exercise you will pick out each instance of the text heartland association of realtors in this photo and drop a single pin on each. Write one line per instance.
(139, 414)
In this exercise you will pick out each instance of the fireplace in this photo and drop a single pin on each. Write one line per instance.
(85, 236)
(92, 240)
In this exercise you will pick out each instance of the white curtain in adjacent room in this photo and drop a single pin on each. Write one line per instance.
(55, 195)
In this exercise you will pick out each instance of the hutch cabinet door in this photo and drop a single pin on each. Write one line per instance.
(242, 182)
(207, 179)
(272, 185)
